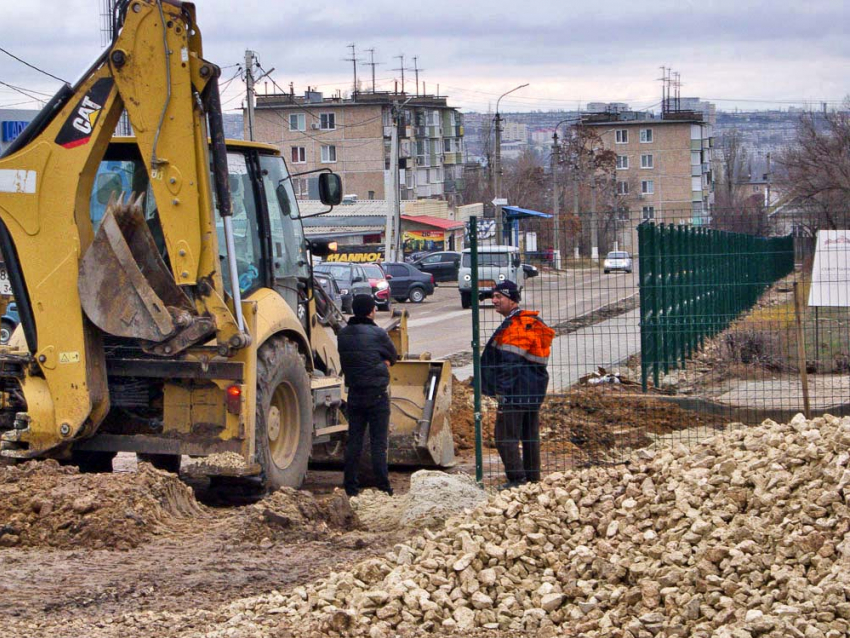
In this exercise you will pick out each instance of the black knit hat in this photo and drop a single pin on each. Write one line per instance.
(508, 289)
(363, 305)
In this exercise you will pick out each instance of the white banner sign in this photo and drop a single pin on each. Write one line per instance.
(831, 270)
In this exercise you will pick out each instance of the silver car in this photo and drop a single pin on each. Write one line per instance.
(617, 260)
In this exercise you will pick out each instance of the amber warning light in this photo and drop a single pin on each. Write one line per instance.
(234, 399)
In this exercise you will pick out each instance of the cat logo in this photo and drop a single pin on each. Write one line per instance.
(77, 129)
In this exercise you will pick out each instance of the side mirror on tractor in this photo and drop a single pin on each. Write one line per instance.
(330, 189)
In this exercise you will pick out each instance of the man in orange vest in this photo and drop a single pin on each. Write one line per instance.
(513, 369)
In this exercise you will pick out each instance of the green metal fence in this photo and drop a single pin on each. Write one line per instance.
(694, 282)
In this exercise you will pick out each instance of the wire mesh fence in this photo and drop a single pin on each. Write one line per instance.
(663, 331)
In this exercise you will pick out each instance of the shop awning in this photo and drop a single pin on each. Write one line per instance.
(515, 212)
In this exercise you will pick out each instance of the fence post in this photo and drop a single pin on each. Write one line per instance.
(476, 352)
(645, 294)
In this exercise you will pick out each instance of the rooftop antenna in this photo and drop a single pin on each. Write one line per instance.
(664, 93)
(353, 60)
(416, 70)
(373, 64)
(678, 84)
(401, 68)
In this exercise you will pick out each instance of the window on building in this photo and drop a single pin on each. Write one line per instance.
(646, 160)
(371, 194)
(328, 153)
(447, 145)
(622, 162)
(648, 212)
(647, 187)
(327, 121)
(297, 122)
(299, 155)
(621, 136)
(622, 188)
(646, 135)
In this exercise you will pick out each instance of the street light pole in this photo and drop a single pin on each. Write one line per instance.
(497, 177)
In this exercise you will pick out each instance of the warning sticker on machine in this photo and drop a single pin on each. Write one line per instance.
(69, 357)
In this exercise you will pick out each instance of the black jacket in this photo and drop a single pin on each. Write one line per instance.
(363, 348)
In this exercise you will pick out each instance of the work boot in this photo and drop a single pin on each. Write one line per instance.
(351, 493)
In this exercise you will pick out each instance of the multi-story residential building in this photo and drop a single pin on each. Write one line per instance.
(663, 164)
(352, 136)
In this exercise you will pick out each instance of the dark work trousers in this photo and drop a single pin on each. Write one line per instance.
(515, 424)
(373, 413)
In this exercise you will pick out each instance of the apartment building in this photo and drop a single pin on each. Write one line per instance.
(351, 136)
(663, 163)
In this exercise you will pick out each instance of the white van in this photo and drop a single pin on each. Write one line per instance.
(495, 264)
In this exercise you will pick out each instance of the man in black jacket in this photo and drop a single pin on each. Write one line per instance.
(366, 354)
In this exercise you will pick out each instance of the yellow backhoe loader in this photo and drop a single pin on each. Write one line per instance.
(164, 284)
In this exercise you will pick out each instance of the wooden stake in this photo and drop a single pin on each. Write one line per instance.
(801, 349)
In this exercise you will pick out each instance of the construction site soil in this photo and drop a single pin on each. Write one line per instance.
(86, 548)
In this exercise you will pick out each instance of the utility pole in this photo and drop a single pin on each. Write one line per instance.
(353, 60)
(392, 228)
(498, 172)
(556, 248)
(594, 220)
(767, 190)
(249, 85)
(393, 208)
(373, 64)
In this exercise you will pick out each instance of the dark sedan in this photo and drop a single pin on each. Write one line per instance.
(443, 265)
(409, 283)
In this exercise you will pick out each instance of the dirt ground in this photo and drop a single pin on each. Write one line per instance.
(90, 547)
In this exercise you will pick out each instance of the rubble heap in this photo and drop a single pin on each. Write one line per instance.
(44, 504)
(743, 536)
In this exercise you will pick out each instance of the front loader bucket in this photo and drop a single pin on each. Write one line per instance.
(125, 287)
(420, 399)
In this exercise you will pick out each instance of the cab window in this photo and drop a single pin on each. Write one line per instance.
(246, 231)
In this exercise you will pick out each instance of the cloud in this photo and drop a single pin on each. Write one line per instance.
(567, 51)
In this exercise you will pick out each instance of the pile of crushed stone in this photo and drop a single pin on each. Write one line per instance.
(744, 536)
(287, 513)
(44, 504)
(432, 498)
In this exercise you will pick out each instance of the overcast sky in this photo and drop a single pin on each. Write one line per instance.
(738, 54)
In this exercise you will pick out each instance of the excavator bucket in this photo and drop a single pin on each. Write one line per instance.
(420, 400)
(125, 287)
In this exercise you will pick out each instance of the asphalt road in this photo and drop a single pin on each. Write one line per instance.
(440, 326)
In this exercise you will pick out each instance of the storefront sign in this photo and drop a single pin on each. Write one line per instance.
(11, 129)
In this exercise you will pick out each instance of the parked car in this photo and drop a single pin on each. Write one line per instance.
(408, 283)
(443, 265)
(9, 322)
(380, 285)
(419, 254)
(329, 285)
(351, 279)
(617, 260)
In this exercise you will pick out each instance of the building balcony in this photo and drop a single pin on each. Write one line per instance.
(423, 160)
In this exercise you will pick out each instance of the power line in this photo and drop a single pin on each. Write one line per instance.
(22, 92)
(11, 55)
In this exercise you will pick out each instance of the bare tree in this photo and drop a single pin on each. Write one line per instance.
(817, 166)
(730, 169)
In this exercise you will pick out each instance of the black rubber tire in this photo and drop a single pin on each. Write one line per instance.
(164, 462)
(465, 300)
(7, 328)
(284, 419)
(92, 462)
(416, 295)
